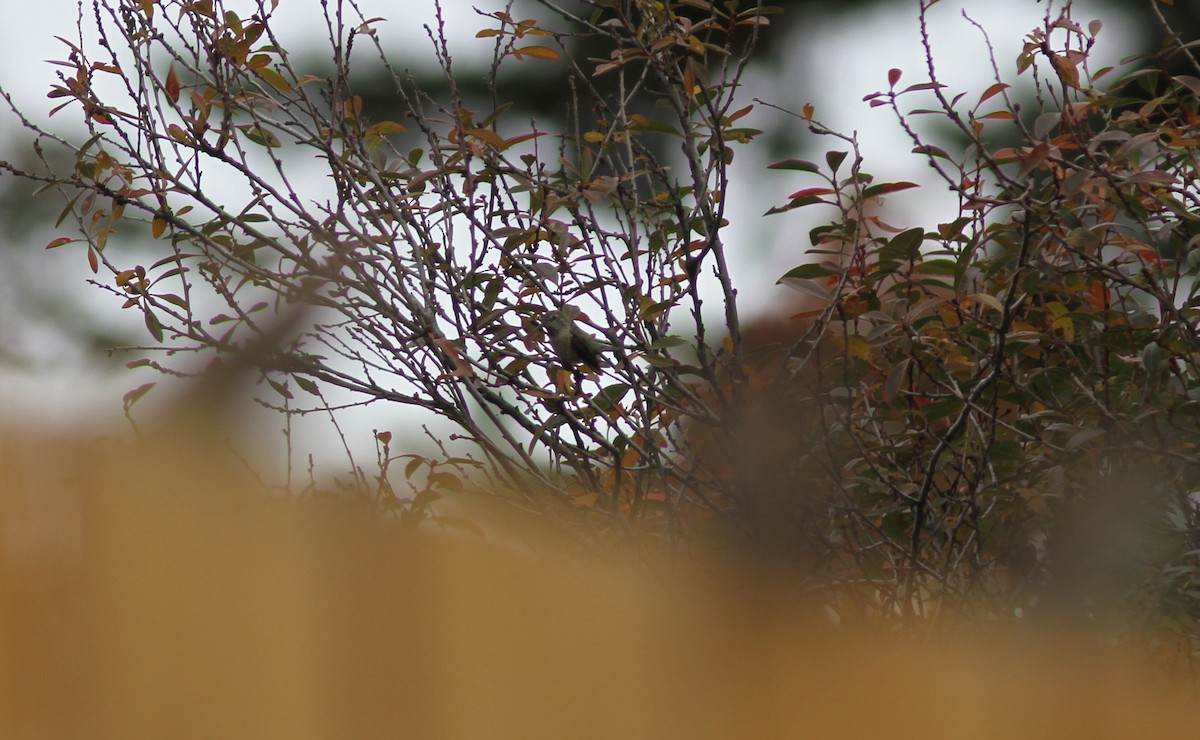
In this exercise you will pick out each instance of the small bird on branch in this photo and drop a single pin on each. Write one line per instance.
(571, 344)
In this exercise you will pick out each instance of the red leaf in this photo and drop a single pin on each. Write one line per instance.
(922, 86)
(810, 193)
(888, 187)
(132, 396)
(172, 85)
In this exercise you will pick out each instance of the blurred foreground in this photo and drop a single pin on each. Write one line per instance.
(152, 593)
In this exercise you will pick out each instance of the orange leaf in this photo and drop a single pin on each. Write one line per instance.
(1006, 155)
(537, 52)
(385, 128)
(489, 137)
(739, 113)
(462, 368)
(757, 20)
(992, 91)
(1035, 158)
(522, 137)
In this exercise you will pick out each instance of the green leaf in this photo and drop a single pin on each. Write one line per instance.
(668, 342)
(1082, 437)
(800, 202)
(664, 363)
(494, 115)
(446, 481)
(653, 126)
(1083, 238)
(904, 246)
(931, 151)
(810, 288)
(177, 300)
(1004, 454)
(261, 136)
(938, 267)
(799, 165)
(411, 467)
(810, 271)
(608, 398)
(274, 79)
(153, 326)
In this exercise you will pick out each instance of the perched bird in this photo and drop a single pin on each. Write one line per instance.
(572, 345)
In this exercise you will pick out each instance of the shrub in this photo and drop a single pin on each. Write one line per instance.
(990, 417)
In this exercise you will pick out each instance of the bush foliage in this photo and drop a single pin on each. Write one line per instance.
(991, 416)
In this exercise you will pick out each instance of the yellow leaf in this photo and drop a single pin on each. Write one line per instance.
(858, 347)
(176, 132)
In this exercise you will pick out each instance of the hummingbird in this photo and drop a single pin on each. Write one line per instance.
(572, 345)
